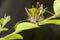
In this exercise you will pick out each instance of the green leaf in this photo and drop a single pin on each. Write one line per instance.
(4, 39)
(15, 36)
(7, 19)
(2, 20)
(3, 29)
(24, 26)
(57, 6)
(57, 22)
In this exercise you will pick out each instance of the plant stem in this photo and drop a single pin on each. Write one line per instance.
(9, 35)
(49, 12)
(44, 21)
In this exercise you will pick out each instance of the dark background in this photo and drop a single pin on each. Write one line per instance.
(15, 8)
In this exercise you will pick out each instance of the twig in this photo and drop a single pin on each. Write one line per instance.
(49, 12)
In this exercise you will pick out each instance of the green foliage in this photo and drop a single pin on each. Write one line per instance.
(12, 36)
(24, 26)
(15, 36)
(57, 22)
(57, 6)
(18, 28)
(7, 19)
(2, 39)
(3, 29)
(57, 14)
(3, 22)
(35, 14)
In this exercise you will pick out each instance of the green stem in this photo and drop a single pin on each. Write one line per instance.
(42, 22)
(9, 35)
